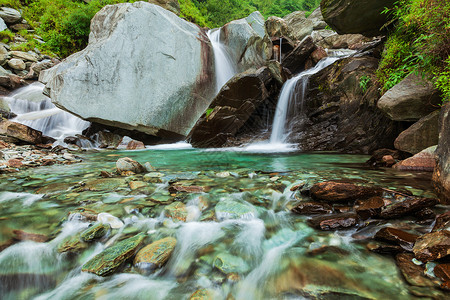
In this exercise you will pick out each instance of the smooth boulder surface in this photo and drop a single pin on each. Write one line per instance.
(441, 176)
(411, 99)
(356, 16)
(134, 75)
(126, 164)
(422, 161)
(155, 255)
(10, 15)
(299, 26)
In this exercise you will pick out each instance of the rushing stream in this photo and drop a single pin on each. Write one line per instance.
(239, 239)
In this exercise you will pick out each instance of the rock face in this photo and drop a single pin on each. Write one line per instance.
(441, 176)
(422, 134)
(422, 161)
(300, 27)
(410, 100)
(149, 92)
(339, 115)
(356, 16)
(247, 42)
(171, 5)
(295, 60)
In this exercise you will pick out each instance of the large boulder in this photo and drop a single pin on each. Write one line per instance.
(247, 42)
(3, 25)
(296, 59)
(10, 15)
(171, 5)
(338, 114)
(422, 134)
(21, 133)
(299, 26)
(441, 176)
(423, 161)
(134, 74)
(356, 16)
(410, 100)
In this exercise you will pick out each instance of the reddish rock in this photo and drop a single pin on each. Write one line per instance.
(423, 161)
(442, 222)
(295, 60)
(407, 207)
(21, 132)
(21, 235)
(384, 249)
(135, 145)
(388, 160)
(126, 164)
(377, 156)
(396, 236)
(14, 163)
(318, 54)
(173, 189)
(370, 208)
(432, 246)
(334, 222)
(332, 191)
(441, 175)
(412, 273)
(4, 145)
(312, 208)
(443, 271)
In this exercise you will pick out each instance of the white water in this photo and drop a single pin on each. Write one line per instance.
(37, 111)
(225, 68)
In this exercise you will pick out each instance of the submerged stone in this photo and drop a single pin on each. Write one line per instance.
(432, 246)
(96, 231)
(228, 263)
(202, 294)
(107, 261)
(407, 207)
(414, 274)
(332, 191)
(312, 208)
(229, 209)
(442, 222)
(176, 211)
(155, 255)
(396, 236)
(334, 222)
(72, 244)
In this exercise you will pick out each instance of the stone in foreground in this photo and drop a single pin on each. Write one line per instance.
(332, 191)
(334, 222)
(111, 258)
(155, 255)
(126, 164)
(432, 246)
(407, 207)
(134, 74)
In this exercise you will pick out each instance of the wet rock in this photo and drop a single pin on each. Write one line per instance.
(174, 189)
(443, 271)
(384, 248)
(228, 263)
(370, 208)
(432, 246)
(21, 132)
(312, 208)
(135, 185)
(363, 17)
(425, 214)
(377, 157)
(296, 59)
(103, 184)
(155, 255)
(135, 145)
(21, 235)
(111, 220)
(332, 191)
(423, 161)
(126, 164)
(229, 209)
(441, 175)
(202, 294)
(396, 236)
(107, 261)
(421, 135)
(94, 232)
(411, 99)
(414, 274)
(14, 163)
(334, 222)
(72, 244)
(407, 207)
(442, 222)
(176, 211)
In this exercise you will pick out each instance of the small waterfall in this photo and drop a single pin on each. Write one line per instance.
(225, 68)
(37, 111)
(292, 94)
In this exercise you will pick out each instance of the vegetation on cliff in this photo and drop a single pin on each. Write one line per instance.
(419, 42)
(64, 24)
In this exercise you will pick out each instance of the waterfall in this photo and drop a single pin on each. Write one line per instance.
(37, 111)
(225, 68)
(293, 94)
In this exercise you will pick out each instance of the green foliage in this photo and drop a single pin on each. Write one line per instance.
(364, 83)
(419, 43)
(209, 111)
(6, 36)
(190, 12)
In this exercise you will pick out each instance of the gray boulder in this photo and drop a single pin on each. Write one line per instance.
(356, 16)
(410, 100)
(10, 15)
(16, 64)
(134, 74)
(3, 25)
(247, 47)
(441, 176)
(300, 26)
(421, 135)
(276, 27)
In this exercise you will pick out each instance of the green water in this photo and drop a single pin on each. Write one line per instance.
(264, 253)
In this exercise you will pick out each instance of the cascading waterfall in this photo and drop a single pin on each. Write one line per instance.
(37, 111)
(293, 94)
(225, 68)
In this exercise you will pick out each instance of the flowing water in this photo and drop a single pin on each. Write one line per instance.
(224, 66)
(239, 239)
(36, 110)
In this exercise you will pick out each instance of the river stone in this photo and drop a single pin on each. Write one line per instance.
(442, 222)
(111, 220)
(155, 255)
(229, 209)
(411, 99)
(177, 211)
(126, 164)
(432, 246)
(228, 263)
(414, 274)
(24, 56)
(276, 27)
(396, 236)
(10, 15)
(335, 221)
(150, 91)
(312, 208)
(16, 64)
(2, 26)
(356, 16)
(422, 161)
(171, 5)
(246, 47)
(441, 176)
(332, 191)
(296, 59)
(407, 207)
(96, 231)
(421, 135)
(107, 261)
(202, 294)
(21, 132)
(72, 244)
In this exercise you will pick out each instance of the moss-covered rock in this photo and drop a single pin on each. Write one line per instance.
(155, 255)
